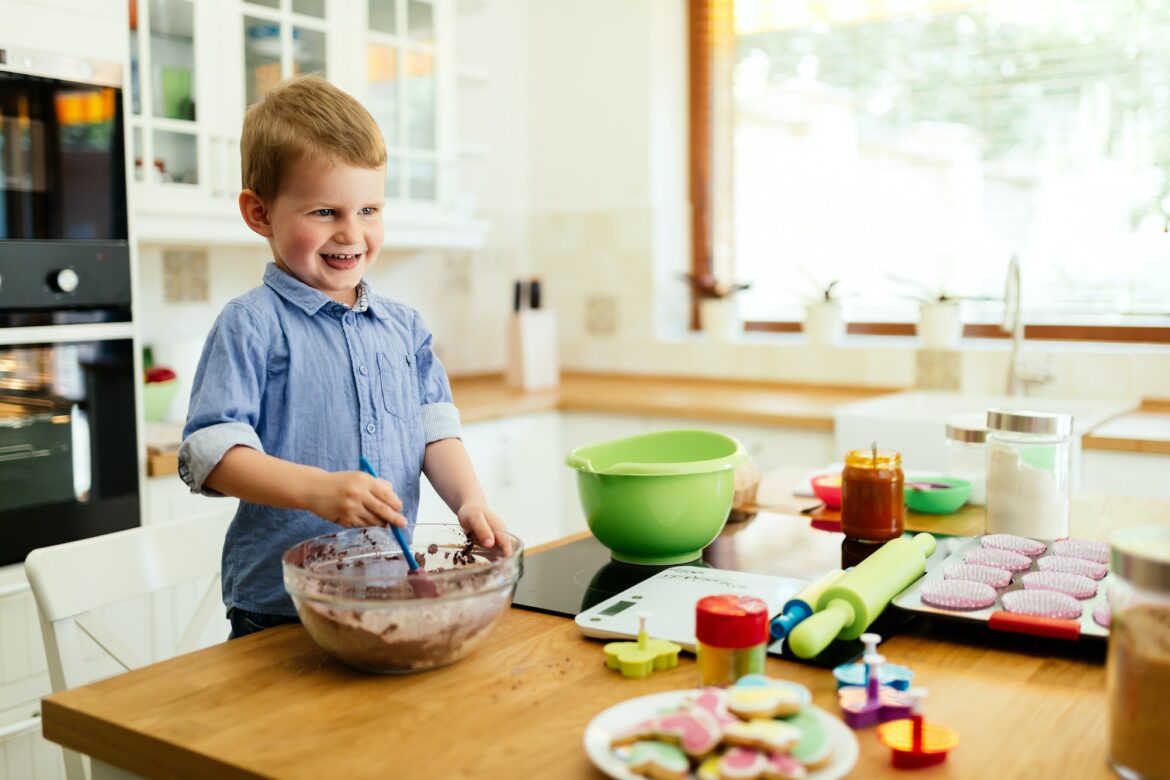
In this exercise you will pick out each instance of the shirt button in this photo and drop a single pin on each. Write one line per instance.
(371, 428)
(363, 371)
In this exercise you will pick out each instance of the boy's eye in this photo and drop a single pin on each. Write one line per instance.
(323, 213)
(369, 211)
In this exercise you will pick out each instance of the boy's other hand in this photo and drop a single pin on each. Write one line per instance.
(486, 525)
(354, 499)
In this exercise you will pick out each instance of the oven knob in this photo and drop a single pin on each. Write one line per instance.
(64, 281)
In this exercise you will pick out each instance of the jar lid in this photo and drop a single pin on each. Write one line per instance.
(731, 621)
(870, 458)
(1030, 422)
(971, 428)
(1141, 556)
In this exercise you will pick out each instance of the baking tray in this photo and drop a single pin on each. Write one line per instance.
(997, 618)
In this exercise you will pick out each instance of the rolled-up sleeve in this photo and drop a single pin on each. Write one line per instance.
(225, 397)
(440, 417)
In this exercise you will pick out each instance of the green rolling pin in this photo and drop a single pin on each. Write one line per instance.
(847, 607)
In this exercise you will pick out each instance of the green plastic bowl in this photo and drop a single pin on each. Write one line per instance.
(938, 501)
(659, 498)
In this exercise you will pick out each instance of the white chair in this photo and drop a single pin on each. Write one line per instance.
(69, 581)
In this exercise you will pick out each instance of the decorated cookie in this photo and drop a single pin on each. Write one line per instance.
(814, 749)
(748, 764)
(1042, 603)
(1073, 584)
(1090, 569)
(1017, 544)
(709, 768)
(1082, 548)
(714, 702)
(760, 696)
(642, 730)
(695, 731)
(957, 594)
(999, 559)
(772, 736)
(996, 578)
(657, 760)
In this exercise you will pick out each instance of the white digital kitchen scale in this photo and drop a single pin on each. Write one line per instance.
(670, 596)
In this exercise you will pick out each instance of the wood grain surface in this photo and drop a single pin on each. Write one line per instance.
(275, 705)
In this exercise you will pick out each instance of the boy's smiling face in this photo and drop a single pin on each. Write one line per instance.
(325, 226)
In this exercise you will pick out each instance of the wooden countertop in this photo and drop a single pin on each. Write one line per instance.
(275, 705)
(1146, 429)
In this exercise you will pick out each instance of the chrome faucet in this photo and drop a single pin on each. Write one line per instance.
(1018, 379)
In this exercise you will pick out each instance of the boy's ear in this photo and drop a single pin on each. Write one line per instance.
(255, 213)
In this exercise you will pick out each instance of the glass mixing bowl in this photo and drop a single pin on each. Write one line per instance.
(354, 597)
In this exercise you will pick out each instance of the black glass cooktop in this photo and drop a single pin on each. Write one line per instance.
(570, 578)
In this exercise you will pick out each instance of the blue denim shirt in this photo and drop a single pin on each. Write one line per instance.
(290, 372)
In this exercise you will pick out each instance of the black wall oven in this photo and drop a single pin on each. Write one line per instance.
(68, 439)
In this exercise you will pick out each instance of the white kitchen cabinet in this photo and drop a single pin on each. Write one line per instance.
(198, 65)
(1140, 474)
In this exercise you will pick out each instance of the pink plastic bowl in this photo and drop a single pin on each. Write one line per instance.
(827, 488)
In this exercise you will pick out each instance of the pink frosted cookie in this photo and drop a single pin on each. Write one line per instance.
(714, 703)
(1073, 584)
(1082, 548)
(695, 731)
(1090, 569)
(770, 736)
(957, 594)
(1042, 603)
(631, 734)
(998, 559)
(1013, 543)
(988, 575)
(747, 764)
(657, 760)
(1103, 615)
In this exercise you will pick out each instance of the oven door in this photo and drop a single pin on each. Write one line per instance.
(68, 445)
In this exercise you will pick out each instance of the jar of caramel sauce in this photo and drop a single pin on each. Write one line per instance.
(872, 506)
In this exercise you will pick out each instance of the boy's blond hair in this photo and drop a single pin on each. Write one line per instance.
(305, 117)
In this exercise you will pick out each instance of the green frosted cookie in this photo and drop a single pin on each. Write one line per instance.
(815, 747)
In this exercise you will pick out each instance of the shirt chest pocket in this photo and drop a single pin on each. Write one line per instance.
(399, 379)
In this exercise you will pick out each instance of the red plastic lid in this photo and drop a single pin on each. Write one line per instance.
(731, 621)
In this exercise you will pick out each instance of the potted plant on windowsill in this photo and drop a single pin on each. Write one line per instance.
(718, 313)
(940, 316)
(823, 323)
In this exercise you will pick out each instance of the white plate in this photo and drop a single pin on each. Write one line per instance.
(602, 729)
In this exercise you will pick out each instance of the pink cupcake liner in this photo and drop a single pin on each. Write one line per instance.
(998, 559)
(1073, 584)
(1016, 544)
(1082, 548)
(1090, 569)
(957, 594)
(1103, 615)
(1042, 603)
(996, 578)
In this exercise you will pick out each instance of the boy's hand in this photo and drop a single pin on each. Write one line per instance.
(354, 499)
(487, 527)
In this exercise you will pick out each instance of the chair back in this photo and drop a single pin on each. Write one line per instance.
(72, 581)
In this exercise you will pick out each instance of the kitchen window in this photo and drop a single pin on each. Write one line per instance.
(909, 149)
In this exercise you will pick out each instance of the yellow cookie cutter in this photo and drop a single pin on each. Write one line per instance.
(639, 659)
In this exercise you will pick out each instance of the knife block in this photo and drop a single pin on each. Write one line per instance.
(532, 350)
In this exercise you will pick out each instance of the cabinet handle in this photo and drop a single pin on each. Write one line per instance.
(215, 164)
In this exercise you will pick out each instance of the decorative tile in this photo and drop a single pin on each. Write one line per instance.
(185, 277)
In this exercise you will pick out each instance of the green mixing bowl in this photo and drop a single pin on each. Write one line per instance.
(659, 498)
(937, 500)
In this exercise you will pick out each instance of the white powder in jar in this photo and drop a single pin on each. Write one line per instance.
(1023, 499)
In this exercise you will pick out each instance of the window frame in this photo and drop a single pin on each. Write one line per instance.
(709, 19)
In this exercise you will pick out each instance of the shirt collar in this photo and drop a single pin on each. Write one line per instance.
(311, 300)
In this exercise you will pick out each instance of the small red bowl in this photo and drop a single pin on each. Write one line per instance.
(827, 488)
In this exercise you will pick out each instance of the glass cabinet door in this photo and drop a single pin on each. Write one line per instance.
(163, 121)
(402, 94)
(282, 38)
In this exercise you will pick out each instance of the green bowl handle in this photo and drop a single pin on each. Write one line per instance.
(575, 461)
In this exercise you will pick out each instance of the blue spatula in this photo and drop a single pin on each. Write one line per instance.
(398, 533)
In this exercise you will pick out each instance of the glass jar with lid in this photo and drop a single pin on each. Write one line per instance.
(966, 455)
(1029, 473)
(872, 501)
(1138, 666)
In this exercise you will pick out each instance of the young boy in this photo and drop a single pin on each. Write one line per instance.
(305, 374)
